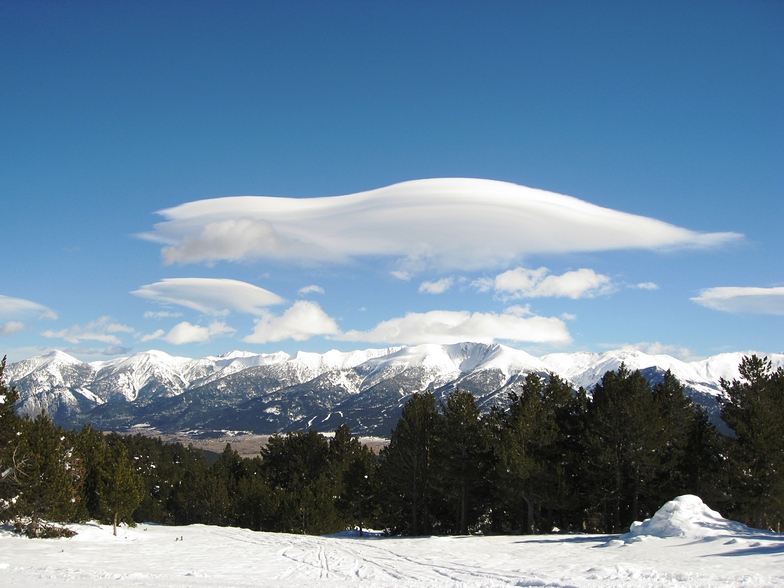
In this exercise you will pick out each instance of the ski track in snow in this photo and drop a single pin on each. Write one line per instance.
(201, 556)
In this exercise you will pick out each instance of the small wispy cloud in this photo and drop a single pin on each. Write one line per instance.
(645, 286)
(104, 329)
(152, 336)
(657, 348)
(19, 307)
(743, 300)
(161, 314)
(111, 351)
(312, 289)
(540, 283)
(11, 327)
(436, 287)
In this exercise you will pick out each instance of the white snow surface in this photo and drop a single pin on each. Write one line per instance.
(693, 547)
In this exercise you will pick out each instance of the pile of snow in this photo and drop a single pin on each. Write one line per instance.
(688, 517)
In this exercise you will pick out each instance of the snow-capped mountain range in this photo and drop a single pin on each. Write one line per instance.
(366, 389)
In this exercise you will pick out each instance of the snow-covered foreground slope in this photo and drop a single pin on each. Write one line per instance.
(679, 552)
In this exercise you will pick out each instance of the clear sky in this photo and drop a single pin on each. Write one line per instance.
(663, 121)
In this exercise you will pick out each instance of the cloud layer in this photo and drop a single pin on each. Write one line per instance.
(210, 295)
(743, 300)
(445, 327)
(451, 223)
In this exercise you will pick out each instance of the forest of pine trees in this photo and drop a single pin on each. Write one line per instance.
(552, 458)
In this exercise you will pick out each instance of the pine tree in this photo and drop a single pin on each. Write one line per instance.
(298, 467)
(624, 437)
(354, 469)
(754, 410)
(531, 450)
(52, 477)
(407, 476)
(12, 459)
(461, 458)
(119, 488)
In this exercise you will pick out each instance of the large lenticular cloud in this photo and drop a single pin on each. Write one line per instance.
(444, 223)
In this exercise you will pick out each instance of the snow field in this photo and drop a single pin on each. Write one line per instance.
(685, 545)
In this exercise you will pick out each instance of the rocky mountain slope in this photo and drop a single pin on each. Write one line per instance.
(366, 389)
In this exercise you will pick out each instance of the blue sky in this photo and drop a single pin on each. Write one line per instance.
(661, 120)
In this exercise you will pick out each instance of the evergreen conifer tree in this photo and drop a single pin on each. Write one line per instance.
(119, 488)
(461, 459)
(407, 475)
(754, 410)
(12, 459)
(624, 436)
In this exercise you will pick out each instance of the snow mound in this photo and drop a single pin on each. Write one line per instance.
(686, 516)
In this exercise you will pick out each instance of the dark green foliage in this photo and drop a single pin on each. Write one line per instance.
(355, 467)
(755, 411)
(51, 477)
(11, 458)
(536, 455)
(461, 462)
(624, 436)
(119, 488)
(407, 471)
(298, 468)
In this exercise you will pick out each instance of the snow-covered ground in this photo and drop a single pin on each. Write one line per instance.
(685, 544)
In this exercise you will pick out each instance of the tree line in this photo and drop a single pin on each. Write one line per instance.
(550, 459)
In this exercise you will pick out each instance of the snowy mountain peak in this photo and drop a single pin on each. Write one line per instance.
(267, 392)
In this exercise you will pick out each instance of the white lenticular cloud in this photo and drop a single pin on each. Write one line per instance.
(437, 287)
(446, 327)
(452, 223)
(743, 300)
(185, 332)
(540, 283)
(18, 307)
(303, 320)
(210, 295)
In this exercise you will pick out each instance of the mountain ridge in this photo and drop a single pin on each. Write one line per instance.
(366, 389)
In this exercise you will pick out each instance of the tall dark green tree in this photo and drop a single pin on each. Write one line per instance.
(12, 459)
(407, 473)
(533, 450)
(461, 460)
(119, 487)
(624, 437)
(691, 454)
(51, 478)
(754, 409)
(355, 469)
